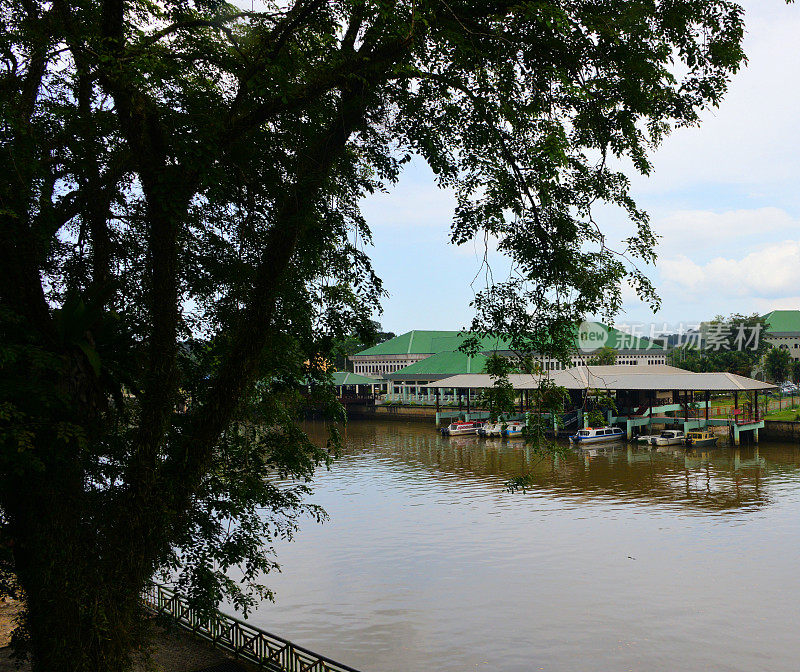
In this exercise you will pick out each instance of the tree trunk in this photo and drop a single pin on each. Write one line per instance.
(76, 620)
(83, 609)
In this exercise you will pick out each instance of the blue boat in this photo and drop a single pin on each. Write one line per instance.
(514, 429)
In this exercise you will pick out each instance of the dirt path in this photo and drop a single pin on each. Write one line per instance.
(173, 650)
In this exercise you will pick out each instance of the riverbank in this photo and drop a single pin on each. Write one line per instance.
(172, 650)
(778, 429)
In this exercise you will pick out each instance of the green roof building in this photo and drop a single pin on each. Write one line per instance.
(396, 354)
(783, 331)
(441, 365)
(342, 378)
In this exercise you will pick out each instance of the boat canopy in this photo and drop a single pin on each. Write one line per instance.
(617, 377)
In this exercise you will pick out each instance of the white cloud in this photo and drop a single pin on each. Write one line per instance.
(751, 138)
(769, 274)
(701, 230)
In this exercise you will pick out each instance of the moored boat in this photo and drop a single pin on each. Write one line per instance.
(669, 437)
(597, 435)
(514, 429)
(459, 428)
(700, 438)
(491, 429)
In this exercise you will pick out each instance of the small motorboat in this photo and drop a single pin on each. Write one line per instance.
(669, 437)
(645, 438)
(592, 435)
(700, 438)
(459, 428)
(491, 429)
(513, 429)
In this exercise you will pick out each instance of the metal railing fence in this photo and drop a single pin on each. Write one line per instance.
(256, 646)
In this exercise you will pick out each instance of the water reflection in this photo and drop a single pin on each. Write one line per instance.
(614, 559)
(715, 479)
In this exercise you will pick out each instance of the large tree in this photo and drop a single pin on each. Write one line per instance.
(777, 364)
(181, 245)
(736, 344)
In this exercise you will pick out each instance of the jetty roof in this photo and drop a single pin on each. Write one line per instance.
(617, 377)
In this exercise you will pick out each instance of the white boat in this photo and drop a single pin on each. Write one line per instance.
(458, 428)
(645, 438)
(597, 435)
(514, 429)
(669, 437)
(491, 429)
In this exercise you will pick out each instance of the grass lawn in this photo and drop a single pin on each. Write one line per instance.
(786, 415)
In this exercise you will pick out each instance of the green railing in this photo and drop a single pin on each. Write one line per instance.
(266, 651)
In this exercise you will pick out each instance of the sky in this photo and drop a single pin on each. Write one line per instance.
(724, 198)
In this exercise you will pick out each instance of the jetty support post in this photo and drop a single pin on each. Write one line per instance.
(708, 402)
(437, 399)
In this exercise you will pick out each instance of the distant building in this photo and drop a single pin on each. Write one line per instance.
(783, 331)
(396, 354)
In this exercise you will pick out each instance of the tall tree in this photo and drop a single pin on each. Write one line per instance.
(778, 365)
(735, 345)
(179, 228)
(604, 356)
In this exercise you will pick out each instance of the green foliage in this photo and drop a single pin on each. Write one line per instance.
(598, 403)
(548, 401)
(796, 371)
(370, 334)
(727, 346)
(778, 365)
(501, 396)
(605, 356)
(182, 250)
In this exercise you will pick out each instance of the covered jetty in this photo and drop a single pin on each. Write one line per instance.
(644, 394)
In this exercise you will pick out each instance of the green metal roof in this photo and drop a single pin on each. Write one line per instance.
(346, 378)
(440, 365)
(781, 321)
(422, 342)
(419, 342)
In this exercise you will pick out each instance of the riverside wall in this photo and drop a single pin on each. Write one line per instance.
(388, 412)
(780, 430)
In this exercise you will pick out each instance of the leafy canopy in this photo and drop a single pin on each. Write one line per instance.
(733, 345)
(778, 364)
(181, 246)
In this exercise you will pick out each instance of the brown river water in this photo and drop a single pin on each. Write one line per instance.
(626, 559)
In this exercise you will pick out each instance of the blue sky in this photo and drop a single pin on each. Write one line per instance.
(725, 198)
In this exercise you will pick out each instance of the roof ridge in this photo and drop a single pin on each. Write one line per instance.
(410, 341)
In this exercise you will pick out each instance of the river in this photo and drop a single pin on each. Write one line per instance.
(629, 559)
